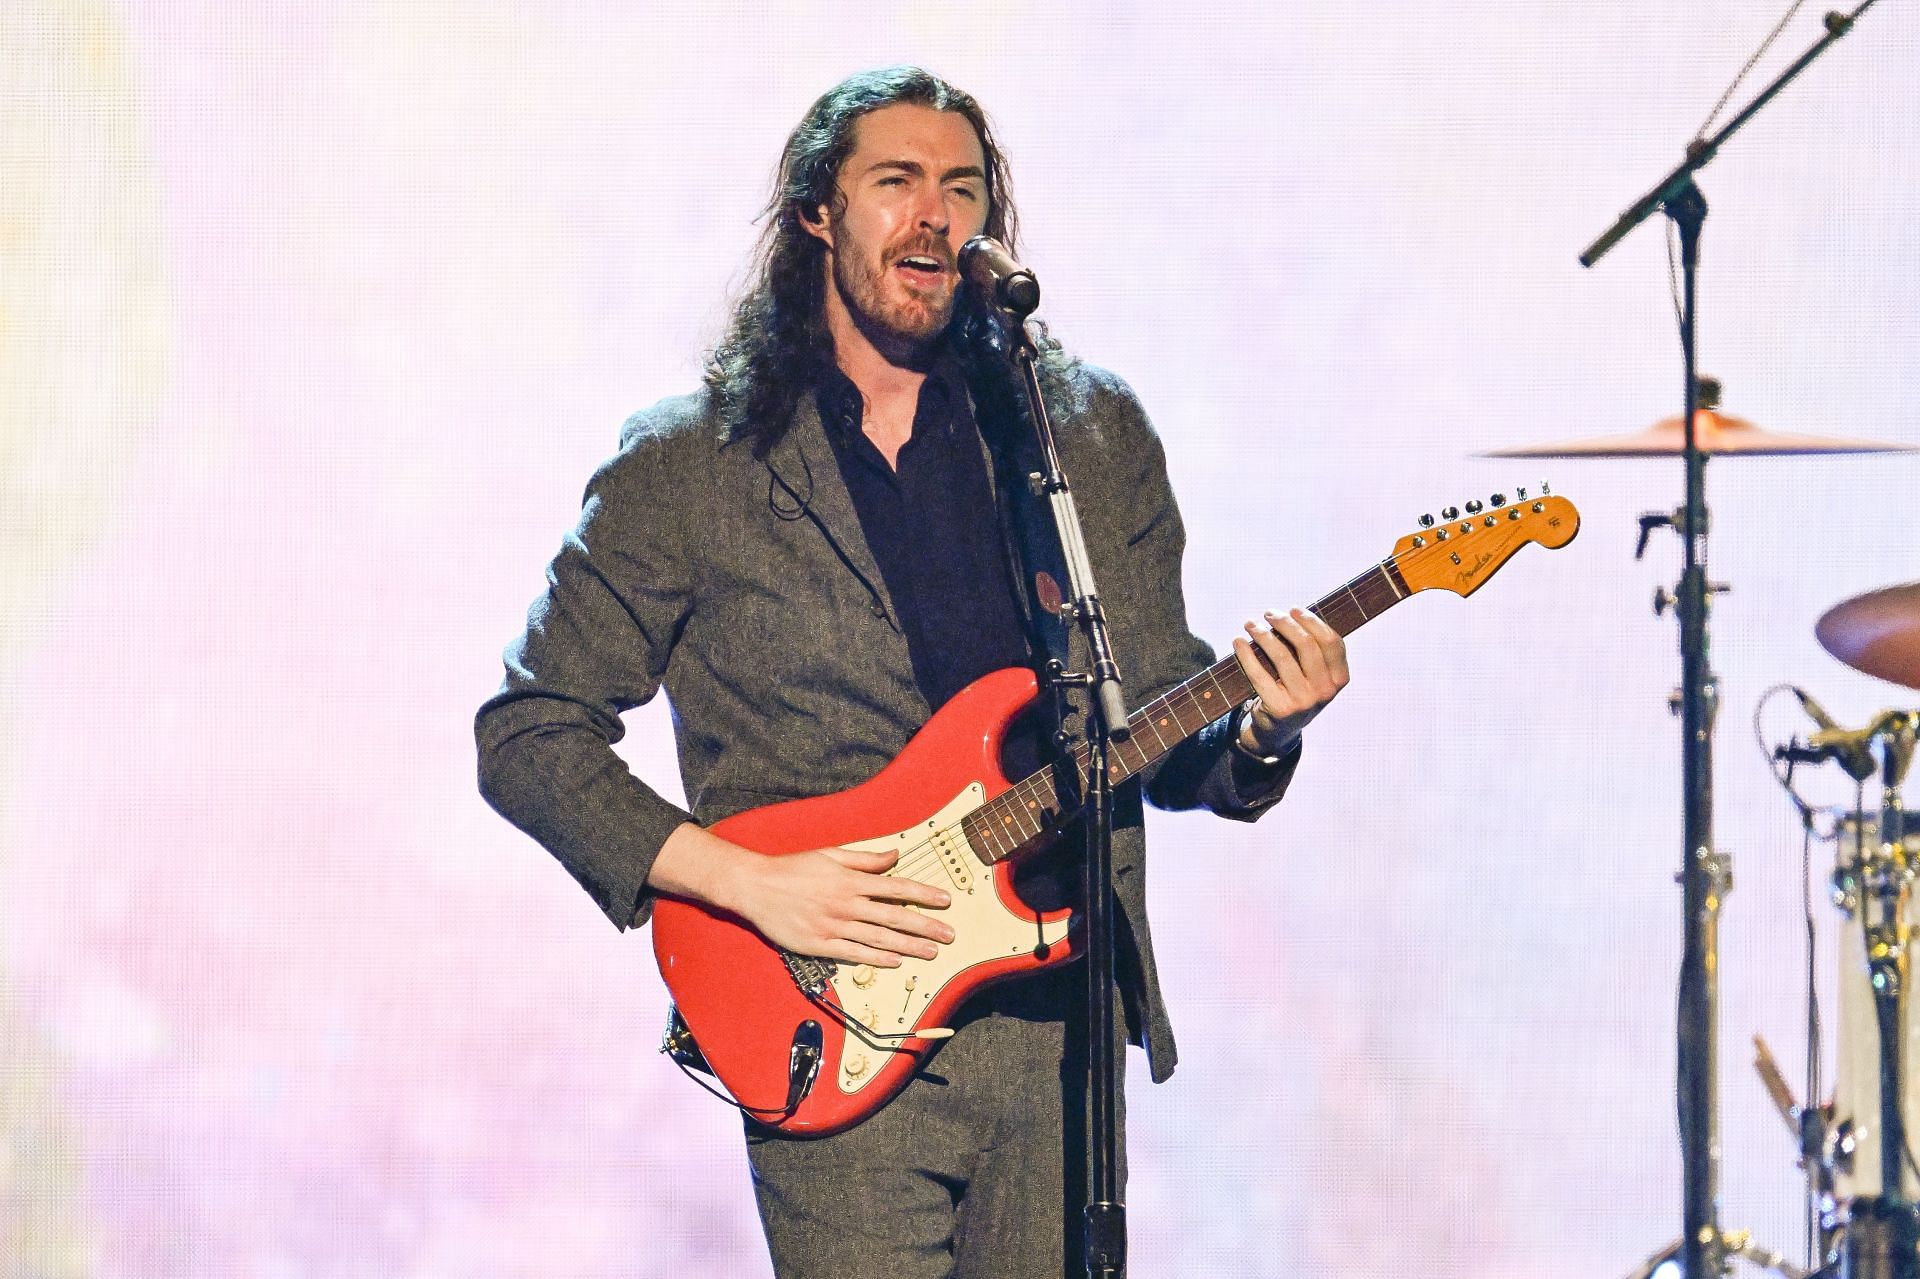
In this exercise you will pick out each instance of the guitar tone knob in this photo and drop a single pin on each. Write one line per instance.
(856, 1066)
(863, 975)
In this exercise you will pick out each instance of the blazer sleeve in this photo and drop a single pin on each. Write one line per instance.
(1205, 771)
(597, 643)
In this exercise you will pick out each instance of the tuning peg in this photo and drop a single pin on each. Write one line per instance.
(1499, 500)
(1426, 521)
(1474, 506)
(1546, 490)
(1449, 512)
(1520, 494)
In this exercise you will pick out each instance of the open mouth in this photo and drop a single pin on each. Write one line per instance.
(921, 268)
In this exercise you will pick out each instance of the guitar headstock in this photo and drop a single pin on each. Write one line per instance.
(1462, 549)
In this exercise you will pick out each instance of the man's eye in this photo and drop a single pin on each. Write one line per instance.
(895, 181)
(966, 192)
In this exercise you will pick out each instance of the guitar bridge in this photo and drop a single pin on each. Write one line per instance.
(811, 974)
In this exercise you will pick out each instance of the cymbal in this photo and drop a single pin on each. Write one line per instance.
(1715, 432)
(1877, 633)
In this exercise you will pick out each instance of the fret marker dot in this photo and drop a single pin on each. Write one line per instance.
(1163, 723)
(1206, 696)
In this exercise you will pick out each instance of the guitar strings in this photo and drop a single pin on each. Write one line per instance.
(920, 858)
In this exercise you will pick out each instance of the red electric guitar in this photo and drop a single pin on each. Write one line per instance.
(813, 1046)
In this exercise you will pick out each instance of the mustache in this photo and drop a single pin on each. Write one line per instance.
(936, 248)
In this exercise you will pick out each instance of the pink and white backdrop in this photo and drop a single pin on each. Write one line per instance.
(315, 317)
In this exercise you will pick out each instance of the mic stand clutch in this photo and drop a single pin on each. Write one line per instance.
(1106, 1223)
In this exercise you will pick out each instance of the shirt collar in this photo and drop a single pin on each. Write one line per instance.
(841, 407)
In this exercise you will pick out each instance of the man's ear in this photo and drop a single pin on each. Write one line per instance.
(817, 223)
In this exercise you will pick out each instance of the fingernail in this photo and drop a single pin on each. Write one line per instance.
(943, 900)
(928, 953)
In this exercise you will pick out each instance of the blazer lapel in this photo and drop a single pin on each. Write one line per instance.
(804, 465)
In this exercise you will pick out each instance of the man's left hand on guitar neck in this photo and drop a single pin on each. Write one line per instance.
(1297, 664)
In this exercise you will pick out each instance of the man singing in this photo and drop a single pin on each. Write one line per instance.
(812, 554)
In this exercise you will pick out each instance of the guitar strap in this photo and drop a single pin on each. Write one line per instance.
(1039, 571)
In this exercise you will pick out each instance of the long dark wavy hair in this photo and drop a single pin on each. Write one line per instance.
(776, 341)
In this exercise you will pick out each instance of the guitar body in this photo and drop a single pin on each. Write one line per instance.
(743, 1002)
(810, 1046)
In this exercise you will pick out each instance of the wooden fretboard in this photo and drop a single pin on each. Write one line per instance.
(1034, 806)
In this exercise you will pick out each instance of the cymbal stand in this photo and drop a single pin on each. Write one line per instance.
(1704, 874)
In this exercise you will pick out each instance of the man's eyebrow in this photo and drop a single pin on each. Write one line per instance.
(916, 169)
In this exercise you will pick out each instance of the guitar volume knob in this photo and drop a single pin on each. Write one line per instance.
(856, 1066)
(863, 975)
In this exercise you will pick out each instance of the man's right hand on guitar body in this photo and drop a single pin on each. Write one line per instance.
(831, 902)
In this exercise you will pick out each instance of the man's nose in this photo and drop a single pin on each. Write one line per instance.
(933, 212)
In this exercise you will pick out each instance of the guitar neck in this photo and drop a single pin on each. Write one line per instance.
(1035, 806)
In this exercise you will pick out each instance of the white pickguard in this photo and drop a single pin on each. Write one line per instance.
(886, 1001)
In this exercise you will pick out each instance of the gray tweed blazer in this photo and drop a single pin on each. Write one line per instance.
(746, 590)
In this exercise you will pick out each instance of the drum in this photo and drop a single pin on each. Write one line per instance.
(1856, 1093)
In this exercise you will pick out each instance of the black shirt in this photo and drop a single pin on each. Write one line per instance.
(934, 533)
(937, 538)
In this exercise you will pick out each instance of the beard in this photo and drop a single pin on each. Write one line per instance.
(893, 318)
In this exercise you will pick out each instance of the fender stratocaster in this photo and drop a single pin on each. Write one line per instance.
(813, 1046)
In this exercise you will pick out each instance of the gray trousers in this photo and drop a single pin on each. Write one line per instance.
(975, 1171)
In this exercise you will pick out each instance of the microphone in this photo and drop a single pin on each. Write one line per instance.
(1851, 749)
(1003, 282)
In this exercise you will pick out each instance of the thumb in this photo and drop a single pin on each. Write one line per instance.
(872, 863)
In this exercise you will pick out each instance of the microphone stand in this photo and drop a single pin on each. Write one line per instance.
(1704, 873)
(1106, 1216)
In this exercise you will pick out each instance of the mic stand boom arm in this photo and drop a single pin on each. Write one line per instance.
(1700, 151)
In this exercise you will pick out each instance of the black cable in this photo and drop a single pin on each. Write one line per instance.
(1782, 771)
(1759, 53)
(1673, 275)
(757, 1113)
